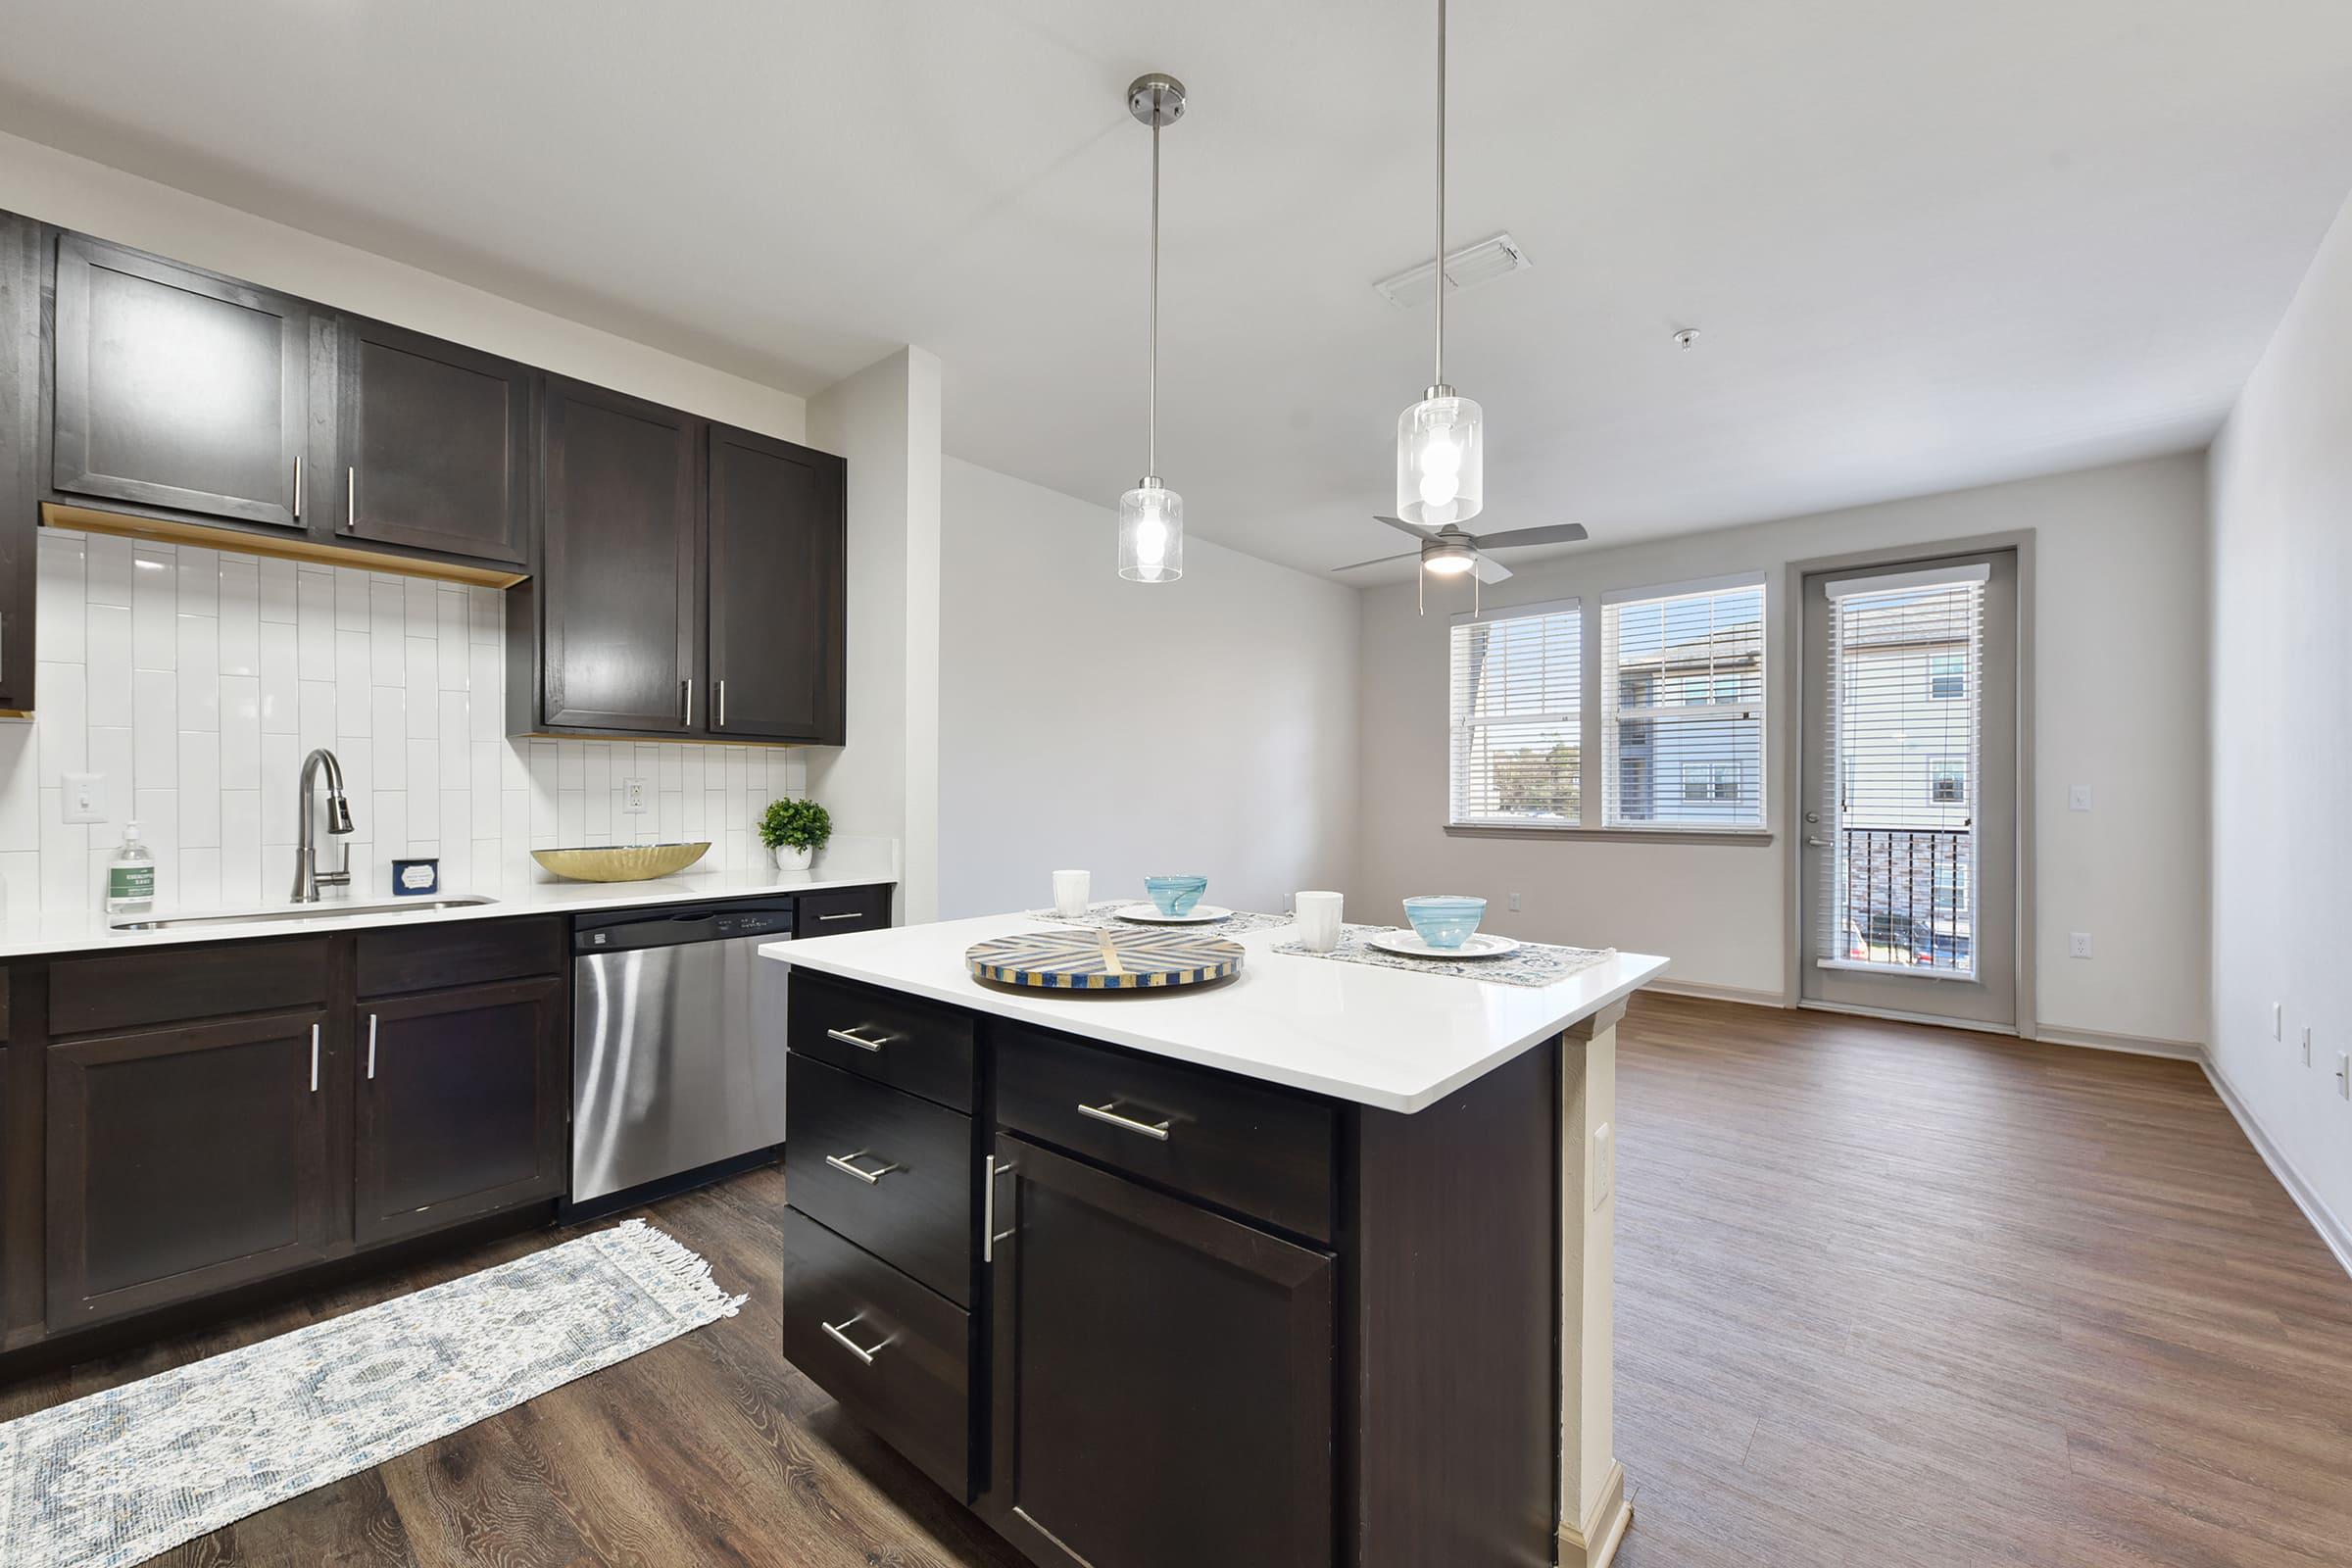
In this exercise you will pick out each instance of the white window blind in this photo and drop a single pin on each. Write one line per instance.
(1904, 684)
(1517, 716)
(1681, 691)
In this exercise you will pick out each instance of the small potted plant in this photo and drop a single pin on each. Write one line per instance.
(794, 831)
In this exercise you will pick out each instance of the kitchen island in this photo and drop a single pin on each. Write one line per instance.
(1309, 1266)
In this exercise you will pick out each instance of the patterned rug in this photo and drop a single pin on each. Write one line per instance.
(1531, 964)
(117, 1477)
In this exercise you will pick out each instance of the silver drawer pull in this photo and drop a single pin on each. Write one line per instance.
(846, 914)
(990, 1235)
(1104, 1112)
(850, 1037)
(841, 1162)
(852, 1346)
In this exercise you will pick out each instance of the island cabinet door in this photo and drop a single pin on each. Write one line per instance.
(184, 1161)
(1163, 1377)
(462, 1104)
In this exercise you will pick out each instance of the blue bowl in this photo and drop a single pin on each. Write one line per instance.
(1445, 920)
(1175, 894)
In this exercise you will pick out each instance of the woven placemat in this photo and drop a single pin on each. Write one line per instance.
(1531, 963)
(1104, 917)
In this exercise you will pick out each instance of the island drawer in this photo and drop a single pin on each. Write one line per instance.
(1246, 1146)
(897, 1356)
(880, 1035)
(891, 1172)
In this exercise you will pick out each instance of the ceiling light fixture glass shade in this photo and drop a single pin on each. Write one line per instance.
(1440, 445)
(1448, 560)
(1151, 533)
(1441, 459)
(1151, 515)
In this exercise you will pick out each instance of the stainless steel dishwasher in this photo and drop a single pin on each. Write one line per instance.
(677, 1046)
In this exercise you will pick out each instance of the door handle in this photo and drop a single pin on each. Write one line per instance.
(371, 1046)
(721, 688)
(298, 489)
(852, 1346)
(988, 1209)
(314, 1059)
(1817, 842)
(350, 499)
(1104, 1112)
(872, 1178)
(850, 1037)
(689, 685)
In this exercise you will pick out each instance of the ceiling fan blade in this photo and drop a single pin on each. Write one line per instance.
(1558, 533)
(1415, 529)
(1489, 570)
(1376, 560)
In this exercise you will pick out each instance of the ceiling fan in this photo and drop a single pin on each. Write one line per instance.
(1449, 552)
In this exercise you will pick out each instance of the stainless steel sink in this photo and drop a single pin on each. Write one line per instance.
(323, 910)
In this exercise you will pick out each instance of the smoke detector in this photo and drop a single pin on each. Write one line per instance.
(1467, 267)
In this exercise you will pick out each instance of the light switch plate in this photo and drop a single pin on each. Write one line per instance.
(2078, 798)
(84, 797)
(1604, 1161)
(1514, 903)
(633, 793)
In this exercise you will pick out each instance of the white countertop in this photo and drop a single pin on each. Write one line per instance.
(1379, 1037)
(32, 934)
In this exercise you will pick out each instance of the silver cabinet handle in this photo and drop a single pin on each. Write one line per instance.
(298, 489)
(689, 685)
(722, 701)
(314, 1059)
(1104, 1112)
(988, 1211)
(852, 1346)
(850, 1037)
(371, 1046)
(846, 914)
(841, 1162)
(351, 500)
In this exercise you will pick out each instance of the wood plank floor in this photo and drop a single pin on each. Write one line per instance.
(1888, 1296)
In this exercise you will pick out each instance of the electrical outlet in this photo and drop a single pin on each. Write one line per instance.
(84, 797)
(1514, 903)
(2307, 1045)
(2078, 945)
(1605, 1164)
(2077, 797)
(633, 794)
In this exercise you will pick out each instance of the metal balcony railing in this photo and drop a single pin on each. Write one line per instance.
(1905, 895)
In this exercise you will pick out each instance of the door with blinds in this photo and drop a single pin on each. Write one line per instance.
(1909, 781)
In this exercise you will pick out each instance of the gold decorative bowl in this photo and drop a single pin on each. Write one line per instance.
(622, 863)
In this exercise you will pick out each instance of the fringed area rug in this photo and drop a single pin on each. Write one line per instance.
(117, 1478)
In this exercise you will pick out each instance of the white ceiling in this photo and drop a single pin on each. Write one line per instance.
(1928, 245)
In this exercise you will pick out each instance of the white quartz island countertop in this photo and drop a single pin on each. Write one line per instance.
(1378, 1037)
(34, 933)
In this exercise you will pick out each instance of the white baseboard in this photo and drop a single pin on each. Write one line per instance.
(2332, 1230)
(2130, 1045)
(1709, 993)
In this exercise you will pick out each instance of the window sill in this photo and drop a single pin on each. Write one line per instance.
(1747, 837)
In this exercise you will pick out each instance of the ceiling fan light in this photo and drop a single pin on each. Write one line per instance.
(1448, 560)
(1441, 459)
(1151, 533)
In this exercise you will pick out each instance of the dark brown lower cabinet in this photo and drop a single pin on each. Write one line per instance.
(1165, 1377)
(184, 1161)
(462, 1098)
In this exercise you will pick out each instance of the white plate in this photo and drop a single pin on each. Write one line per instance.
(1479, 944)
(1149, 914)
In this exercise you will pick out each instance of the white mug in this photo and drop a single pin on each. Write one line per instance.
(1070, 890)
(1317, 916)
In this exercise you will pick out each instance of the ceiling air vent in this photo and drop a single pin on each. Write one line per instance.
(1467, 267)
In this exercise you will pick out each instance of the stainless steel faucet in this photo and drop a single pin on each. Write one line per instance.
(307, 878)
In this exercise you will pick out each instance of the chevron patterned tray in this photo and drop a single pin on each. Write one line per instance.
(1079, 959)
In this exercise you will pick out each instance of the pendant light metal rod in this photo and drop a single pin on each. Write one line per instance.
(1437, 376)
(1152, 395)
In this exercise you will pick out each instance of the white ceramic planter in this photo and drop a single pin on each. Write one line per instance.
(789, 859)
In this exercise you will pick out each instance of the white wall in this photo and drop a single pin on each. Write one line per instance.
(1204, 726)
(2281, 736)
(2120, 562)
(884, 782)
(75, 193)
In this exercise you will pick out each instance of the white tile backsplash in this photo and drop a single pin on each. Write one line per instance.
(195, 682)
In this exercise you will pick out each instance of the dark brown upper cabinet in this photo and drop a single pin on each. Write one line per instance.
(21, 266)
(434, 441)
(620, 574)
(776, 573)
(178, 389)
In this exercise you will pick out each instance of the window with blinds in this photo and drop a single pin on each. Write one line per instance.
(1517, 716)
(1906, 660)
(1681, 691)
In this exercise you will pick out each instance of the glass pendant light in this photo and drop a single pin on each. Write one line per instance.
(1440, 455)
(1151, 515)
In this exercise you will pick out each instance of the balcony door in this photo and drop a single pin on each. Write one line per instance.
(1909, 789)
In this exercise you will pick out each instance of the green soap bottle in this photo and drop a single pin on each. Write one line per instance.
(130, 876)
